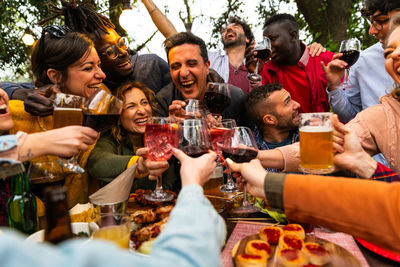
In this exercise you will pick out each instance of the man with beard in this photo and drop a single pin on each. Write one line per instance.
(292, 65)
(275, 115)
(190, 68)
(229, 63)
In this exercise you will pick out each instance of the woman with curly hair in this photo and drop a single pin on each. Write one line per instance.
(116, 150)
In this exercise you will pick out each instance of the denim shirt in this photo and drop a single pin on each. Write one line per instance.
(368, 81)
(193, 236)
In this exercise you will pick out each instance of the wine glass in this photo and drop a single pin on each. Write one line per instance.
(102, 111)
(161, 136)
(351, 52)
(217, 98)
(194, 109)
(241, 147)
(263, 49)
(194, 137)
(68, 111)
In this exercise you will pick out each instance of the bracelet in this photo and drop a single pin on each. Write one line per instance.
(154, 9)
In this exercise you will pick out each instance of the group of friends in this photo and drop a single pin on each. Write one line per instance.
(87, 53)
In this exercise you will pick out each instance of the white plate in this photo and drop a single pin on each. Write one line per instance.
(76, 228)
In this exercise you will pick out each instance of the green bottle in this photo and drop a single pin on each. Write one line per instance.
(21, 206)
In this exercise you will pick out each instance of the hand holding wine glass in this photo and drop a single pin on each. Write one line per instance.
(350, 49)
(261, 51)
(161, 136)
(242, 147)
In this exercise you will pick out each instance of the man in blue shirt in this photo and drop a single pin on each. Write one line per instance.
(368, 79)
(275, 115)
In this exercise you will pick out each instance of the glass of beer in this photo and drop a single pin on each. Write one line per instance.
(316, 144)
(68, 111)
(115, 228)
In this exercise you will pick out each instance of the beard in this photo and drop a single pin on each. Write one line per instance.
(240, 40)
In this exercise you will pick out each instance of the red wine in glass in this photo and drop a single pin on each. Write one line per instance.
(216, 102)
(195, 151)
(350, 56)
(262, 53)
(100, 122)
(240, 155)
(161, 139)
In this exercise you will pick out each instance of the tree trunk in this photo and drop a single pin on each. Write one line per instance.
(327, 19)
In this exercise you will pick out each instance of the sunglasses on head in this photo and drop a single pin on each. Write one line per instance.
(57, 31)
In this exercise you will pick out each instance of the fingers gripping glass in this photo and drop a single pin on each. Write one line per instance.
(113, 51)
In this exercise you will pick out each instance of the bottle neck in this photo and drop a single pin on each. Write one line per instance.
(19, 183)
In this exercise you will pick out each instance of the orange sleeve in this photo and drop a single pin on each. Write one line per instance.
(363, 208)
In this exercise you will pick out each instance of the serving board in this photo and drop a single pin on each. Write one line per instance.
(339, 256)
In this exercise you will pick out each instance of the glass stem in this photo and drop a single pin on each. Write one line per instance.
(159, 184)
(74, 159)
(229, 181)
(256, 70)
(245, 201)
(346, 76)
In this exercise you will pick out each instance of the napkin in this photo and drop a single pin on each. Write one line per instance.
(117, 191)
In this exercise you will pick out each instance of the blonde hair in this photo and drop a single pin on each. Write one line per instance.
(118, 131)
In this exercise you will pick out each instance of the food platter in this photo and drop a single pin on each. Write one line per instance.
(378, 250)
(338, 256)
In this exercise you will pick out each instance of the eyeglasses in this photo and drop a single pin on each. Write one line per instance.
(378, 24)
(113, 51)
(58, 31)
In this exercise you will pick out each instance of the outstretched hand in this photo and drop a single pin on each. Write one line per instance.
(196, 170)
(349, 153)
(253, 173)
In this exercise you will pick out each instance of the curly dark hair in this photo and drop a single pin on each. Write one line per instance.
(80, 16)
(383, 6)
(118, 131)
(256, 98)
(246, 28)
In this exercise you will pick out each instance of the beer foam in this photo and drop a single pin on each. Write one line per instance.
(316, 129)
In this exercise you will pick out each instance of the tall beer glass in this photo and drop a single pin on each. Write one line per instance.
(316, 145)
(68, 111)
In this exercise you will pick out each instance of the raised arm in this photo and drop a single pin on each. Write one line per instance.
(163, 24)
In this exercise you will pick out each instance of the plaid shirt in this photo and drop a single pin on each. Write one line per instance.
(263, 145)
(5, 193)
(383, 173)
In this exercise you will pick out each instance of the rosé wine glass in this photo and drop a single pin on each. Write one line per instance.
(161, 136)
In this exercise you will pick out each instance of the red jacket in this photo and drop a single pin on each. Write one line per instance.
(273, 73)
